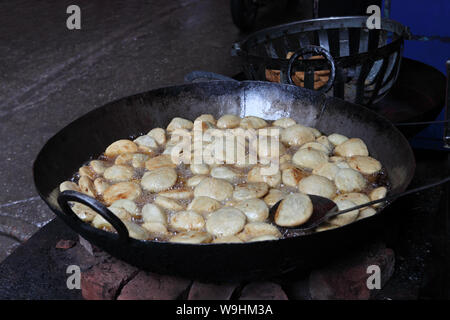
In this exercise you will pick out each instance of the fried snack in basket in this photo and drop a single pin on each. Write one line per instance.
(320, 77)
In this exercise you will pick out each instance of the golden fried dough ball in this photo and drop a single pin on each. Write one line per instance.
(192, 237)
(294, 210)
(69, 185)
(336, 138)
(121, 146)
(186, 221)
(226, 221)
(250, 190)
(153, 213)
(179, 123)
(255, 209)
(284, 122)
(204, 205)
(214, 188)
(257, 229)
(296, 135)
(376, 194)
(309, 158)
(352, 147)
(122, 190)
(159, 179)
(349, 180)
(273, 197)
(345, 218)
(317, 185)
(364, 164)
(251, 122)
(228, 121)
(159, 134)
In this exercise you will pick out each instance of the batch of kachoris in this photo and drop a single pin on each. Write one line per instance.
(160, 199)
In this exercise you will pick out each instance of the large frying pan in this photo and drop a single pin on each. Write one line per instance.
(88, 136)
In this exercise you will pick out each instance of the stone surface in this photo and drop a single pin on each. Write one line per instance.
(50, 75)
(104, 280)
(37, 270)
(263, 291)
(152, 286)
(347, 278)
(9, 244)
(211, 291)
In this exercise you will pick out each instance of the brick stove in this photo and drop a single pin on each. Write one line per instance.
(417, 269)
(346, 278)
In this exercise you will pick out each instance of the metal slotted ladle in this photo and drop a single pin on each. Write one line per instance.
(325, 209)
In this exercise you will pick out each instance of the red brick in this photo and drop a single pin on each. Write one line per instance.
(152, 286)
(103, 280)
(211, 291)
(65, 244)
(347, 279)
(263, 291)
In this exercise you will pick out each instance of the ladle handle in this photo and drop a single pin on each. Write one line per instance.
(69, 195)
(420, 123)
(392, 197)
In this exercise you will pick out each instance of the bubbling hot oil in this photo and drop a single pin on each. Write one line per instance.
(184, 173)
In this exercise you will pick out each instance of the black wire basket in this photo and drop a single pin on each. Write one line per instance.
(359, 63)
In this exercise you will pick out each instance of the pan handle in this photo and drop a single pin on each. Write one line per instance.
(317, 51)
(69, 195)
(206, 75)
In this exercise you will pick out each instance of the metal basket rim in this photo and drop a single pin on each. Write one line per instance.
(401, 29)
